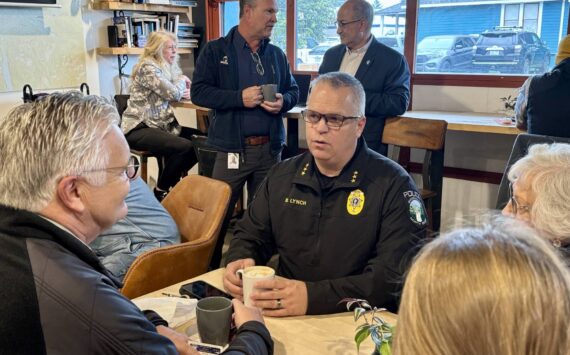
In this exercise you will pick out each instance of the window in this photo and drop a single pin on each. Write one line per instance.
(481, 38)
(316, 29)
(230, 18)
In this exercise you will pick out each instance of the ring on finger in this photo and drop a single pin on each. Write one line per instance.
(279, 304)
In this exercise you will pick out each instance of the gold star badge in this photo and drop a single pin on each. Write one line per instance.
(354, 176)
(305, 169)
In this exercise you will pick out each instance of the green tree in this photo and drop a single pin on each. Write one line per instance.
(313, 18)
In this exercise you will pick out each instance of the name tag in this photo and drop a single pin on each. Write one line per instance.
(233, 160)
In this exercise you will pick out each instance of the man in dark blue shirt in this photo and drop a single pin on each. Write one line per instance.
(247, 130)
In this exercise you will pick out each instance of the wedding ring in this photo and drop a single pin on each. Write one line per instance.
(279, 305)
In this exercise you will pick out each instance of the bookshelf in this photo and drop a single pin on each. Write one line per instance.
(118, 8)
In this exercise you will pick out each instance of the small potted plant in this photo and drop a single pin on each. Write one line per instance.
(374, 326)
(509, 102)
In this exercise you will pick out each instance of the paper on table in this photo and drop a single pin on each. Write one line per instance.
(175, 311)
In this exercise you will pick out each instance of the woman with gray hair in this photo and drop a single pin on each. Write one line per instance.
(540, 192)
(149, 122)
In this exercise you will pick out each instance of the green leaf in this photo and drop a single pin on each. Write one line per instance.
(385, 349)
(360, 336)
(358, 312)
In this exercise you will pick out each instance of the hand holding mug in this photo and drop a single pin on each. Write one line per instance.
(232, 281)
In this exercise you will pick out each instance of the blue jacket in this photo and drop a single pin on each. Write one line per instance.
(215, 85)
(385, 76)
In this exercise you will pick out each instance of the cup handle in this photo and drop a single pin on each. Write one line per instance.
(239, 274)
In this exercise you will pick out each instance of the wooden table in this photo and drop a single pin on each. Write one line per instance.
(324, 334)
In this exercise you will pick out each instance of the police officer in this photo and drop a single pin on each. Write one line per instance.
(344, 220)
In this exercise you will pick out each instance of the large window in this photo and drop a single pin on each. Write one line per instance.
(467, 42)
(316, 30)
(230, 18)
(480, 37)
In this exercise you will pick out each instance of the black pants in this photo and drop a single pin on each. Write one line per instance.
(177, 151)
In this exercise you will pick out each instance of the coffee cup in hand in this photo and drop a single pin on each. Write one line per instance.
(268, 91)
(214, 318)
(250, 275)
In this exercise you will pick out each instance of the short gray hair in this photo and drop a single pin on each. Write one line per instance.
(339, 80)
(363, 9)
(242, 3)
(546, 169)
(43, 141)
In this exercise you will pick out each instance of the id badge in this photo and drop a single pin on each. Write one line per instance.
(233, 160)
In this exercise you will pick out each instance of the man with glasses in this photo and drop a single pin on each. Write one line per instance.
(65, 170)
(247, 128)
(343, 219)
(383, 72)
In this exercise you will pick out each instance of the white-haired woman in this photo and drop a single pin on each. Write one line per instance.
(540, 192)
(149, 122)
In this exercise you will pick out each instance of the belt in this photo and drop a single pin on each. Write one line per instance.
(256, 140)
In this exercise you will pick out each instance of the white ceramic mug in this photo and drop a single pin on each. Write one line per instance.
(250, 275)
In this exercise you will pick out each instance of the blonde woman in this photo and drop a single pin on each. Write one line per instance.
(540, 193)
(148, 122)
(493, 290)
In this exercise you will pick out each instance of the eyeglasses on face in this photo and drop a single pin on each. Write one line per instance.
(258, 64)
(515, 206)
(130, 170)
(332, 120)
(341, 24)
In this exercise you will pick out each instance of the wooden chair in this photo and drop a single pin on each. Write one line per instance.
(121, 103)
(198, 205)
(430, 136)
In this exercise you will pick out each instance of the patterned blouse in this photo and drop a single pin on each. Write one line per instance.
(151, 93)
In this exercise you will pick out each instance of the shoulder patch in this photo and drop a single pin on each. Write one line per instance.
(355, 202)
(416, 209)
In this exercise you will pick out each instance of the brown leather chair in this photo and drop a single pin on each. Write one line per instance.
(430, 136)
(198, 205)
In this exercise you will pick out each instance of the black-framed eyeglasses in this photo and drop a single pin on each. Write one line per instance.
(130, 170)
(515, 206)
(341, 24)
(332, 120)
(258, 65)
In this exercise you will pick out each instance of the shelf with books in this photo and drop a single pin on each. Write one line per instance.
(127, 6)
(131, 24)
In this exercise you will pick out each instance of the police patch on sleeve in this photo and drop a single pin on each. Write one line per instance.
(355, 202)
(416, 209)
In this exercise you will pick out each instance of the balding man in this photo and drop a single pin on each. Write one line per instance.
(383, 72)
(247, 130)
(343, 219)
(65, 170)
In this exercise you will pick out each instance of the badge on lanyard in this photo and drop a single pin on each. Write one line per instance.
(233, 160)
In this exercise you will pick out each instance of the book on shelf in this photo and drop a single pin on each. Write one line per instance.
(184, 3)
(124, 30)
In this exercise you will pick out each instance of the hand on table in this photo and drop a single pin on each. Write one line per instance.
(281, 297)
(179, 340)
(243, 314)
(232, 283)
(273, 107)
(252, 96)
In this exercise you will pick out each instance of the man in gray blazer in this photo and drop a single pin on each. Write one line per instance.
(383, 72)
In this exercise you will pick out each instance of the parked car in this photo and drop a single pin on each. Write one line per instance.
(445, 53)
(394, 42)
(316, 53)
(510, 49)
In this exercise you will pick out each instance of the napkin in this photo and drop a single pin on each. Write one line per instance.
(176, 311)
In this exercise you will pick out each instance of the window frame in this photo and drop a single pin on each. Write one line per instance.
(213, 23)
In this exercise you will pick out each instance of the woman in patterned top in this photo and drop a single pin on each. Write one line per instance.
(148, 122)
